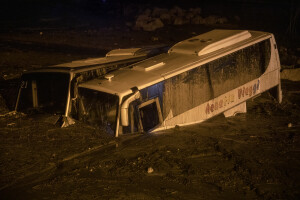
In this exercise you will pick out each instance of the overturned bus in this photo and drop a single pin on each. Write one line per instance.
(53, 89)
(198, 78)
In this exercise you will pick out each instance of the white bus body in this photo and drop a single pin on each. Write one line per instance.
(210, 74)
(53, 89)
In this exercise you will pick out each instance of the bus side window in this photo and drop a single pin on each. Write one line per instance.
(238, 68)
(186, 91)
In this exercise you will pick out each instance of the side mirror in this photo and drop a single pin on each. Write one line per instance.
(124, 108)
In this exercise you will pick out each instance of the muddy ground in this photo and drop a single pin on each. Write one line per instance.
(249, 156)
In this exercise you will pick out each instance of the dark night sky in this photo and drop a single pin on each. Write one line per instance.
(29, 12)
(21, 8)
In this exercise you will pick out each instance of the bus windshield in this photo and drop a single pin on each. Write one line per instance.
(98, 109)
(45, 92)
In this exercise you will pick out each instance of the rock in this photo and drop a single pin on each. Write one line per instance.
(180, 21)
(11, 124)
(153, 25)
(14, 114)
(197, 20)
(166, 18)
(150, 170)
(212, 19)
(11, 76)
(290, 74)
(152, 20)
(142, 20)
(290, 125)
(189, 16)
(148, 23)
(222, 20)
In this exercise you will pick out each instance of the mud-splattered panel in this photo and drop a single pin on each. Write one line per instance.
(186, 91)
(238, 68)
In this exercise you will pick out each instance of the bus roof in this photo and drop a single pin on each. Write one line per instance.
(183, 56)
(112, 57)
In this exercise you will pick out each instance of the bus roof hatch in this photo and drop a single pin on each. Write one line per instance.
(210, 42)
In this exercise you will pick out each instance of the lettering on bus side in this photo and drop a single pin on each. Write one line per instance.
(245, 91)
(248, 91)
(219, 103)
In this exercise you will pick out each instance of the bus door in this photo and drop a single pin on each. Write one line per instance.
(150, 115)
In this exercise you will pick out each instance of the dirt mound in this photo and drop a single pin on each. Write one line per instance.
(290, 74)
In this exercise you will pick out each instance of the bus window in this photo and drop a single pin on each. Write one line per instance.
(187, 90)
(238, 68)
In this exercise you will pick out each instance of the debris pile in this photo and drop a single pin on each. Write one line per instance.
(150, 20)
(290, 74)
(290, 63)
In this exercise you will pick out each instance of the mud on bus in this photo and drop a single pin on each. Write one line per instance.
(53, 89)
(198, 78)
